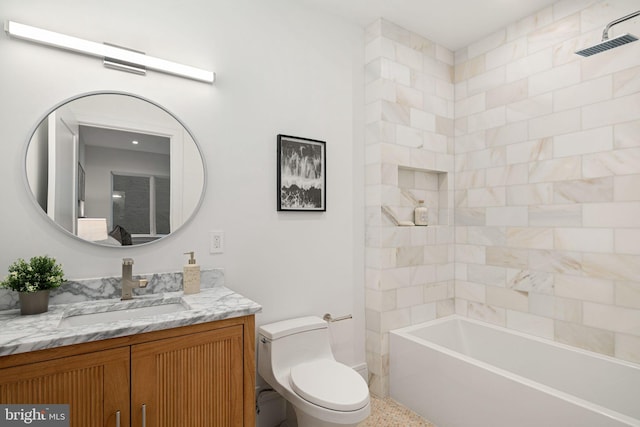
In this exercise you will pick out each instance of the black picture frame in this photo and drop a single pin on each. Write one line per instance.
(302, 174)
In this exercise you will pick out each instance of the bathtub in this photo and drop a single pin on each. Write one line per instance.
(458, 372)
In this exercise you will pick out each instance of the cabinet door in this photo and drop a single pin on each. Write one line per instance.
(95, 385)
(191, 381)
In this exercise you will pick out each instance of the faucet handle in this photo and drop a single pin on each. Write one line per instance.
(127, 261)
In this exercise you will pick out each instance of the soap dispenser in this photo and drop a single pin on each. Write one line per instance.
(191, 275)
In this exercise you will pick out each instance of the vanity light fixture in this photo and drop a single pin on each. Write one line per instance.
(125, 58)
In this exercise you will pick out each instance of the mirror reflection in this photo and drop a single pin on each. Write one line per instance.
(115, 169)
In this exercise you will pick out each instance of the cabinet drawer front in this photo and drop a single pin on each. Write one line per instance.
(95, 385)
(192, 381)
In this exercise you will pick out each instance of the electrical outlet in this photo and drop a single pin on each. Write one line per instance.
(216, 242)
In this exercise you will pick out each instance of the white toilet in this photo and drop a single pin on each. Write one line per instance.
(295, 358)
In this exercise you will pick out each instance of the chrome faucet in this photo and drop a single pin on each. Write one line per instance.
(127, 279)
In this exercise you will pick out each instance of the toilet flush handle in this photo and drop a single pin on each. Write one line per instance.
(328, 318)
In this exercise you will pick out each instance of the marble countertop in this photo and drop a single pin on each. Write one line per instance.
(20, 334)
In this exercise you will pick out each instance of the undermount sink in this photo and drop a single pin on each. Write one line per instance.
(120, 314)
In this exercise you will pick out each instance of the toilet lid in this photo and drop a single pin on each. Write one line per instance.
(330, 384)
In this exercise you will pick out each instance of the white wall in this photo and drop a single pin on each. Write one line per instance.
(280, 69)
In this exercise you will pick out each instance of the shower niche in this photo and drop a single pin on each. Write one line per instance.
(413, 185)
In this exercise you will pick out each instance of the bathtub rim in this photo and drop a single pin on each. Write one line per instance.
(405, 332)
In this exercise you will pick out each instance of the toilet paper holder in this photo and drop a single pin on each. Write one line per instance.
(328, 318)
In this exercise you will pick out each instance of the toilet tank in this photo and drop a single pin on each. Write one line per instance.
(284, 344)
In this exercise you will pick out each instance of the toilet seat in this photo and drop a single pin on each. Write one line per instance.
(330, 384)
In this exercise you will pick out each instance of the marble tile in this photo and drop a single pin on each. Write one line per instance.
(422, 120)
(584, 191)
(584, 239)
(616, 162)
(489, 236)
(584, 288)
(487, 119)
(506, 94)
(470, 291)
(606, 113)
(470, 216)
(612, 318)
(585, 142)
(530, 281)
(471, 105)
(470, 254)
(507, 257)
(487, 43)
(610, 266)
(627, 347)
(564, 169)
(555, 78)
(507, 299)
(627, 241)
(506, 53)
(584, 93)
(509, 175)
(529, 151)
(556, 262)
(533, 106)
(628, 294)
(487, 313)
(556, 124)
(487, 275)
(488, 196)
(554, 33)
(529, 65)
(515, 216)
(486, 81)
(530, 194)
(550, 306)
(627, 188)
(555, 216)
(530, 237)
(626, 134)
(530, 324)
(592, 339)
(622, 214)
(410, 296)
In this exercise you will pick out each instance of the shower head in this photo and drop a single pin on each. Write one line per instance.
(607, 44)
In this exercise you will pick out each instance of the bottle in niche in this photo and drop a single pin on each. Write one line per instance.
(420, 214)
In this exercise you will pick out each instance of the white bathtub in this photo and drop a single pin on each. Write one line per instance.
(457, 372)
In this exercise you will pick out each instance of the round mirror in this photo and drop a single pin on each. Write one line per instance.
(115, 169)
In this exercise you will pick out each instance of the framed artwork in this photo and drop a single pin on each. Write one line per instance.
(302, 178)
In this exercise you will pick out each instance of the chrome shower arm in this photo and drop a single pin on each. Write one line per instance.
(605, 32)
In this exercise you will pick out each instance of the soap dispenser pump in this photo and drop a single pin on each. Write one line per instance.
(191, 275)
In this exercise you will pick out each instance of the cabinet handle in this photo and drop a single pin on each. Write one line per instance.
(144, 415)
(117, 418)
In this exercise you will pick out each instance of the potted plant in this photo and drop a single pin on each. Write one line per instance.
(33, 280)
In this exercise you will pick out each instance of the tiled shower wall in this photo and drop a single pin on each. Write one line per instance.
(409, 156)
(547, 186)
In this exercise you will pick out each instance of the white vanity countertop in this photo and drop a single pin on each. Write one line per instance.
(20, 334)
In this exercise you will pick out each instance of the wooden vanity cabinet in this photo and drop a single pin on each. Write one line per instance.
(193, 376)
(95, 385)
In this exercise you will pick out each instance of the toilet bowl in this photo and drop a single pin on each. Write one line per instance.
(295, 359)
